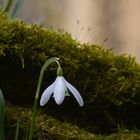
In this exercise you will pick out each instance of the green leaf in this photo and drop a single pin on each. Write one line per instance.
(1, 116)
(1, 3)
(8, 6)
(17, 8)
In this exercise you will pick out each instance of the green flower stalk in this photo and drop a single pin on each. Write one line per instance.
(47, 63)
(17, 131)
(59, 89)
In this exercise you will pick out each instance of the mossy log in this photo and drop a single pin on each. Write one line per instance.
(109, 83)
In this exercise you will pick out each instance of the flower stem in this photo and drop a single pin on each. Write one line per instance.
(17, 131)
(47, 63)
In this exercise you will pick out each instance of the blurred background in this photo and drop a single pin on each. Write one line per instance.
(111, 23)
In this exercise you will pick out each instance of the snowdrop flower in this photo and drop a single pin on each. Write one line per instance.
(59, 89)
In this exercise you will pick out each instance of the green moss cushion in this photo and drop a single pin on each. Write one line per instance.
(108, 83)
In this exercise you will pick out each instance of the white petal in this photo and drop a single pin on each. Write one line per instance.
(47, 94)
(75, 92)
(59, 90)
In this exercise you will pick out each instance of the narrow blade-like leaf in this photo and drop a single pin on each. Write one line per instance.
(8, 6)
(1, 3)
(1, 116)
(17, 8)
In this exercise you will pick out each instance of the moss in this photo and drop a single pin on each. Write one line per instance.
(46, 126)
(109, 83)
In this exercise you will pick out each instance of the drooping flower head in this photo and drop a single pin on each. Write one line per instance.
(59, 89)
